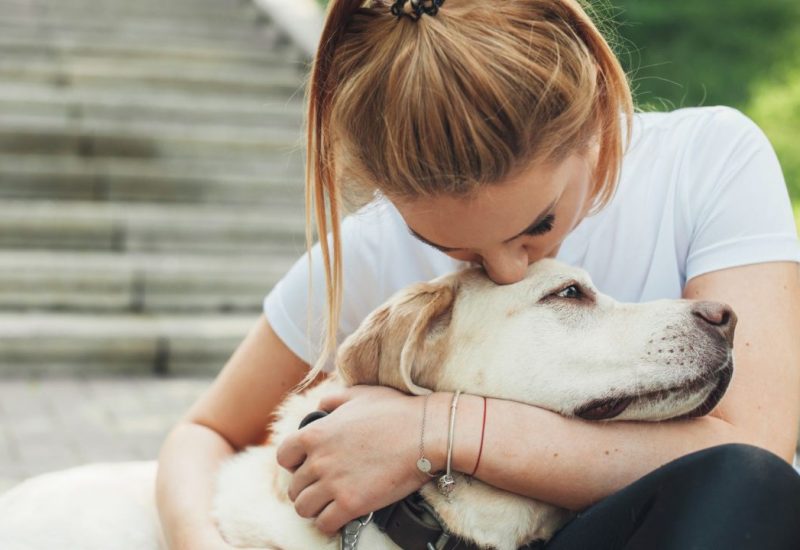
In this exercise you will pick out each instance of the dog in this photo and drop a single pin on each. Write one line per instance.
(551, 340)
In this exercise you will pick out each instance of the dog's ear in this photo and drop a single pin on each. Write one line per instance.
(399, 340)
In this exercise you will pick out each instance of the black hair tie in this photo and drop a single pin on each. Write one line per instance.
(418, 7)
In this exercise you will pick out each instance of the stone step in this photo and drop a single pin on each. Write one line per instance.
(36, 134)
(186, 5)
(170, 181)
(178, 127)
(260, 39)
(157, 180)
(111, 121)
(276, 168)
(153, 75)
(66, 47)
(131, 105)
(241, 12)
(151, 228)
(69, 344)
(136, 282)
(154, 27)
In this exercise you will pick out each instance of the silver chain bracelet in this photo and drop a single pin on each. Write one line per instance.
(423, 464)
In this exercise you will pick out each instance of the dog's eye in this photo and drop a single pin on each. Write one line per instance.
(572, 291)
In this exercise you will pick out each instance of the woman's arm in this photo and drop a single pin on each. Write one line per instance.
(528, 450)
(187, 464)
(232, 414)
(574, 463)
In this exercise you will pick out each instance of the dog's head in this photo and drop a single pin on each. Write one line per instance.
(551, 340)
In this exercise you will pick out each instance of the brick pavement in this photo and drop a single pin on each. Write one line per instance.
(53, 423)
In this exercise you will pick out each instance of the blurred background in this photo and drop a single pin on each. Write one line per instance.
(151, 190)
(744, 54)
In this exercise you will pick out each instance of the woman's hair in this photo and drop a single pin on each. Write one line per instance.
(448, 103)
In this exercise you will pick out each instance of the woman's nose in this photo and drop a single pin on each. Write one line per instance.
(506, 266)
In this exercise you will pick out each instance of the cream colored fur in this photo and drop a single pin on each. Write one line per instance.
(526, 342)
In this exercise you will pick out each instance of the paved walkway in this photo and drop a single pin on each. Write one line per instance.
(48, 424)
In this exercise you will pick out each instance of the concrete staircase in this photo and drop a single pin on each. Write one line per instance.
(151, 168)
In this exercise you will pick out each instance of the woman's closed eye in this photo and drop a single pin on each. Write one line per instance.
(545, 226)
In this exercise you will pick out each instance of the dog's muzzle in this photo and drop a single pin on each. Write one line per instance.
(606, 409)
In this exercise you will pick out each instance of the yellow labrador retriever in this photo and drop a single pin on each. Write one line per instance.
(551, 340)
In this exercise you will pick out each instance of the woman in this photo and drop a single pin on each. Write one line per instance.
(499, 133)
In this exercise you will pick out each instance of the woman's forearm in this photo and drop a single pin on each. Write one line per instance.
(570, 462)
(187, 466)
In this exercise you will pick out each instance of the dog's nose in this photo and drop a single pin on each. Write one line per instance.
(720, 316)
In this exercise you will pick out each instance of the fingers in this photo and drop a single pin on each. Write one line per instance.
(328, 521)
(292, 452)
(336, 515)
(303, 477)
(311, 501)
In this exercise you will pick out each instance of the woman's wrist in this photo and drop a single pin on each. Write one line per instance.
(467, 432)
(469, 425)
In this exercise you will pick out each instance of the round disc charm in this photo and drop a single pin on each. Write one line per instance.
(424, 465)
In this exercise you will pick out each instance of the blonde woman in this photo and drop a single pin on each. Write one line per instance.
(497, 133)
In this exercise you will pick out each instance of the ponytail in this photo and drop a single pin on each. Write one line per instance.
(322, 195)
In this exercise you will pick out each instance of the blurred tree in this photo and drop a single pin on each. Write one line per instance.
(702, 52)
(775, 106)
(699, 52)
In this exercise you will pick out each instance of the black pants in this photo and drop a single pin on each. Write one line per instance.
(730, 497)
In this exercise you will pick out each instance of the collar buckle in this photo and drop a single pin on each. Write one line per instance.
(440, 543)
(351, 531)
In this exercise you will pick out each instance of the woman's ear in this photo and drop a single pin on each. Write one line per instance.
(403, 337)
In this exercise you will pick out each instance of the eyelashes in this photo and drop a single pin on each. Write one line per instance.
(544, 227)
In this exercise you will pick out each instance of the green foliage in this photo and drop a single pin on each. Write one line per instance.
(695, 52)
(775, 106)
(738, 52)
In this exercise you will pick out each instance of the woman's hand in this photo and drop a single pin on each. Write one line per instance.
(356, 460)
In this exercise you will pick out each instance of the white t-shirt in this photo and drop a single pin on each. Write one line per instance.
(700, 190)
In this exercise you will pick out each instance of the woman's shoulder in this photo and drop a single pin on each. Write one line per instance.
(689, 115)
(691, 123)
(377, 234)
(692, 140)
(681, 161)
(374, 226)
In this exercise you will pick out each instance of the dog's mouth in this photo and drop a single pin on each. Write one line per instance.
(605, 409)
(716, 394)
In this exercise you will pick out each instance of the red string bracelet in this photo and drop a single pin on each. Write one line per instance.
(483, 430)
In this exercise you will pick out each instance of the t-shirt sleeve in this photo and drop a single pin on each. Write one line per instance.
(292, 304)
(736, 198)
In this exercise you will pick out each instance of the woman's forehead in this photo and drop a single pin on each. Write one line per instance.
(496, 212)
